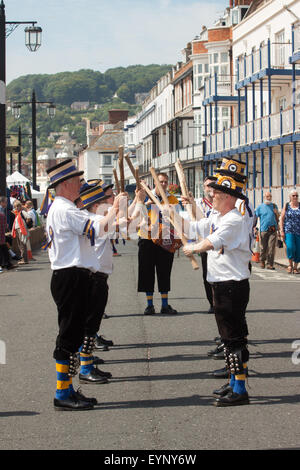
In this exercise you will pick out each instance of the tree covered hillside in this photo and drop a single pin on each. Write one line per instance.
(88, 85)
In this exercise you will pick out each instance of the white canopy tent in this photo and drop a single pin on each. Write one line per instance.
(16, 178)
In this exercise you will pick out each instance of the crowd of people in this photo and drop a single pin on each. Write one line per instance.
(15, 222)
(85, 217)
(279, 229)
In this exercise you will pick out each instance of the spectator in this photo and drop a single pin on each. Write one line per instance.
(290, 231)
(20, 231)
(31, 213)
(4, 254)
(268, 215)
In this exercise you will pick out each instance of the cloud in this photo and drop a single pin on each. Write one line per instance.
(101, 34)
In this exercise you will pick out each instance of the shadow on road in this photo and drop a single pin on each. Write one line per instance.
(6, 414)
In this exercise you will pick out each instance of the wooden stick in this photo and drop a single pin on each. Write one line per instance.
(137, 179)
(134, 171)
(116, 180)
(121, 168)
(172, 220)
(184, 188)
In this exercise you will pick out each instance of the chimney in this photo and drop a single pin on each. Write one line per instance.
(117, 115)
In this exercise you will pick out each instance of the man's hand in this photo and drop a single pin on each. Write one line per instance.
(189, 249)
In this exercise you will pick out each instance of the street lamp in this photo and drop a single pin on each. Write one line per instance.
(51, 108)
(20, 134)
(33, 42)
(33, 37)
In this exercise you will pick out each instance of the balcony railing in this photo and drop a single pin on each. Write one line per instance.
(218, 85)
(271, 55)
(262, 129)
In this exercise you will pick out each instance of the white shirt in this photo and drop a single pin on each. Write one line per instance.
(65, 226)
(97, 258)
(229, 235)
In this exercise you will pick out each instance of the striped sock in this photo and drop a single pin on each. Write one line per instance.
(239, 384)
(164, 299)
(232, 380)
(63, 380)
(86, 363)
(149, 299)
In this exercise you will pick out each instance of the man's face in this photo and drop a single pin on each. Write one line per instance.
(208, 191)
(164, 181)
(268, 197)
(218, 199)
(74, 186)
(3, 204)
(109, 192)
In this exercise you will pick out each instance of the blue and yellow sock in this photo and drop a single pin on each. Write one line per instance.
(164, 299)
(86, 363)
(239, 383)
(149, 299)
(63, 380)
(232, 380)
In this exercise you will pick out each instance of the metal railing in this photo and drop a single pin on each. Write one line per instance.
(261, 129)
(270, 55)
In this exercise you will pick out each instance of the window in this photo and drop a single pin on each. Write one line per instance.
(224, 57)
(279, 49)
(282, 103)
(216, 58)
(107, 160)
(107, 180)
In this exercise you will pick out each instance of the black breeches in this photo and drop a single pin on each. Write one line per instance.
(153, 258)
(69, 289)
(230, 302)
(98, 295)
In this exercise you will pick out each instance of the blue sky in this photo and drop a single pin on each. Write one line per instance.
(101, 34)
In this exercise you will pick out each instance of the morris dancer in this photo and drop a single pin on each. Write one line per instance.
(226, 240)
(66, 224)
(153, 257)
(100, 264)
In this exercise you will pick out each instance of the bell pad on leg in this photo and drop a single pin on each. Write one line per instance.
(88, 345)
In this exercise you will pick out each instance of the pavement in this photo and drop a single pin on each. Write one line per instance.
(160, 396)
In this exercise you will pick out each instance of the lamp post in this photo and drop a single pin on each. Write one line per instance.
(20, 134)
(33, 42)
(16, 113)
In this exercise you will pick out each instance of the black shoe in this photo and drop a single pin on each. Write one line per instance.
(218, 340)
(77, 394)
(97, 360)
(101, 373)
(94, 377)
(217, 350)
(72, 404)
(211, 309)
(224, 390)
(168, 310)
(150, 310)
(99, 346)
(233, 399)
(100, 341)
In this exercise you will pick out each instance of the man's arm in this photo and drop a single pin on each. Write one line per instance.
(203, 246)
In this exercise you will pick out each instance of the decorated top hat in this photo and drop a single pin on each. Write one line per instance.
(85, 185)
(231, 167)
(230, 185)
(92, 195)
(101, 182)
(62, 172)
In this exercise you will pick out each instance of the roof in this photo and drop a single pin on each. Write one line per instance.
(108, 141)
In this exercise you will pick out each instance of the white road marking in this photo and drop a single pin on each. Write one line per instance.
(274, 276)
